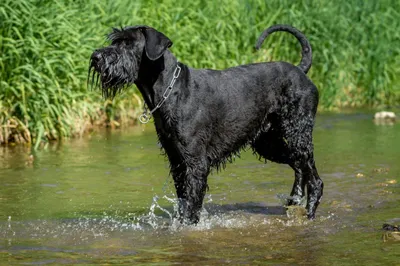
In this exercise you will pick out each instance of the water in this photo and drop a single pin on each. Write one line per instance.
(107, 198)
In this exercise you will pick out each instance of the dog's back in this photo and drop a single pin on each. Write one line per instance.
(228, 109)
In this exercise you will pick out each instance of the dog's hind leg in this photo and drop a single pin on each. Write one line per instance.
(298, 190)
(315, 188)
(299, 137)
(271, 145)
(305, 168)
(290, 143)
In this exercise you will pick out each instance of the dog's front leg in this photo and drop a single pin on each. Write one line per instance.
(191, 184)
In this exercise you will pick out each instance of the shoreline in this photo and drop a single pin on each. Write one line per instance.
(19, 133)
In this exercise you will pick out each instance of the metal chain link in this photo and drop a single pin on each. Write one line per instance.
(145, 117)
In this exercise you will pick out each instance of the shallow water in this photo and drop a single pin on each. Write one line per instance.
(108, 199)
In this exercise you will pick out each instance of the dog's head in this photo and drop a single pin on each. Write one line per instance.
(117, 65)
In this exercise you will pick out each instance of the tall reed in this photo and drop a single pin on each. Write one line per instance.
(45, 46)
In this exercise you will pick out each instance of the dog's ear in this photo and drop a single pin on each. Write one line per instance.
(156, 43)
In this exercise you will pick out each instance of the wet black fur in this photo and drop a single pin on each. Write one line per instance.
(212, 115)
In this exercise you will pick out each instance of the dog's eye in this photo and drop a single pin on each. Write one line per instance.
(115, 42)
(121, 42)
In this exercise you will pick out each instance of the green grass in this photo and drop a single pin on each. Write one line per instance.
(45, 47)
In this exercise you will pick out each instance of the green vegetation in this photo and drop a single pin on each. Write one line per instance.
(45, 46)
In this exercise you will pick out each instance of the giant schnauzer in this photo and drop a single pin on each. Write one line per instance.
(203, 117)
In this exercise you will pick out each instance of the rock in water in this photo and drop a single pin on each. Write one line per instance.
(385, 118)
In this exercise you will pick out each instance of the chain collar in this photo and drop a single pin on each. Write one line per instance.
(145, 117)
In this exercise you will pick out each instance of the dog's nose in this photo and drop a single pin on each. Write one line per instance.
(96, 60)
(96, 56)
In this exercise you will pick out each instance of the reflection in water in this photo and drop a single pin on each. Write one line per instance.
(108, 199)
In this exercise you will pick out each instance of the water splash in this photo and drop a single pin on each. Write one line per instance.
(162, 218)
(154, 220)
(284, 199)
(9, 233)
(158, 219)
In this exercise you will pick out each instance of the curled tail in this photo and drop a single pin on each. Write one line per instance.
(306, 53)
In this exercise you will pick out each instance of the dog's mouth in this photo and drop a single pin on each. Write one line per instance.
(108, 73)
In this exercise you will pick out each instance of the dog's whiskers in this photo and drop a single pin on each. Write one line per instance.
(92, 81)
(89, 70)
(97, 80)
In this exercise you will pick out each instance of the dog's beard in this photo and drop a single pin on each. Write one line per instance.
(112, 72)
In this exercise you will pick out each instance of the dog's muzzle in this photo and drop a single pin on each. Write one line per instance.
(96, 61)
(112, 69)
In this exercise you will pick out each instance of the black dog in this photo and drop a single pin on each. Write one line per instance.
(204, 116)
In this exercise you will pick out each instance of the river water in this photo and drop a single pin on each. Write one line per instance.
(107, 199)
